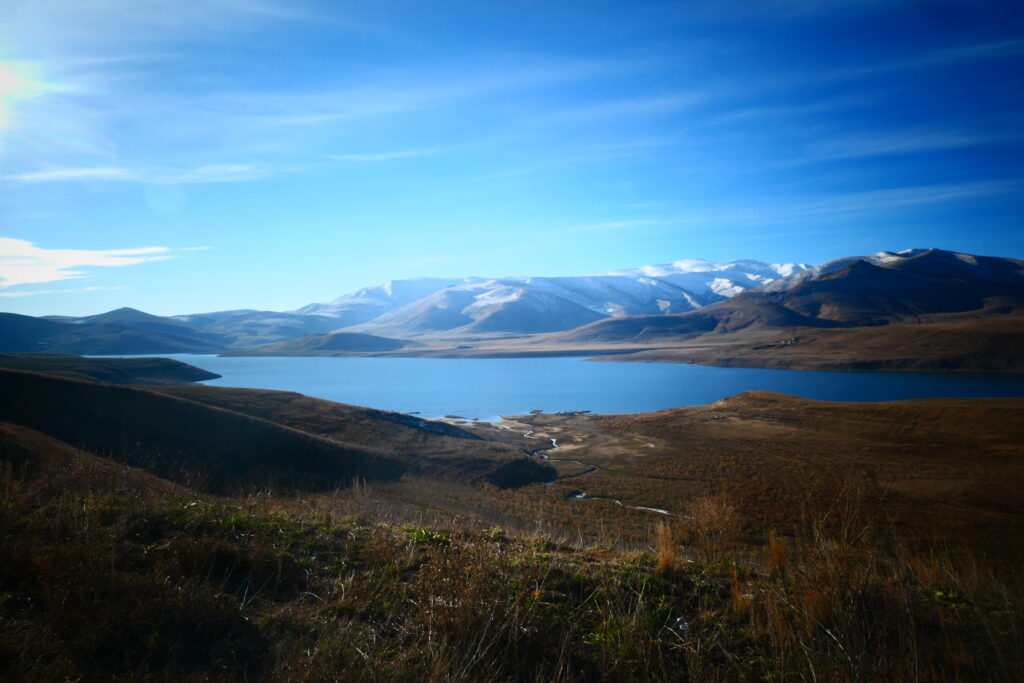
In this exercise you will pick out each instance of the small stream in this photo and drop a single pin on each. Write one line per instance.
(580, 494)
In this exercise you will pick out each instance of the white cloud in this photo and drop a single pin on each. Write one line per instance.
(39, 292)
(212, 173)
(209, 173)
(57, 174)
(23, 263)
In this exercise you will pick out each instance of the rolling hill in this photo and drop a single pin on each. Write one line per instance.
(333, 343)
(229, 440)
(124, 331)
(148, 371)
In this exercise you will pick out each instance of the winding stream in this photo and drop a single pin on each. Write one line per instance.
(580, 494)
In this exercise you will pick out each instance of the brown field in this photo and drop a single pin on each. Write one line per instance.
(804, 540)
(936, 344)
(969, 346)
(936, 471)
(815, 541)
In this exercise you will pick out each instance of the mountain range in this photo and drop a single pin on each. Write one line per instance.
(916, 286)
(655, 305)
(530, 305)
(402, 309)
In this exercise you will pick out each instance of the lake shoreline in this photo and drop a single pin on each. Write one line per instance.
(487, 389)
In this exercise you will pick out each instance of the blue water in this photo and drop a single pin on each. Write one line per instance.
(489, 388)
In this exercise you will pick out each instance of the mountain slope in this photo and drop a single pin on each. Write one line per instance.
(198, 438)
(713, 281)
(551, 304)
(20, 333)
(530, 305)
(242, 329)
(366, 304)
(348, 342)
(886, 288)
(148, 371)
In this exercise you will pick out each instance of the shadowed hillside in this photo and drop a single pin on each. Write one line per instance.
(110, 573)
(423, 447)
(117, 334)
(112, 370)
(181, 440)
(334, 342)
(218, 449)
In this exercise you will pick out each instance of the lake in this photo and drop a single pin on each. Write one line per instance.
(489, 388)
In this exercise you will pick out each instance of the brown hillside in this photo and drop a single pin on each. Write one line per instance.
(422, 446)
(181, 440)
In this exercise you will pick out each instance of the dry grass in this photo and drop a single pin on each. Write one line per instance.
(105, 578)
(666, 545)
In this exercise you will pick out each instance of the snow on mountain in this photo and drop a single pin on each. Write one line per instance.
(713, 281)
(936, 262)
(522, 305)
(368, 303)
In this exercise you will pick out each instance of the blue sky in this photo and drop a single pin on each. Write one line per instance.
(266, 154)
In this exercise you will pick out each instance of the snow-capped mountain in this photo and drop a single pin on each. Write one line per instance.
(886, 288)
(937, 262)
(716, 281)
(527, 305)
(369, 302)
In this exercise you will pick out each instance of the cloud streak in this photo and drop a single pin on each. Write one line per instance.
(23, 263)
(41, 292)
(209, 173)
(382, 156)
(615, 225)
(905, 142)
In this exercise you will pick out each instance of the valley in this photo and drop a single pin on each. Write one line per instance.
(511, 342)
(307, 530)
(704, 518)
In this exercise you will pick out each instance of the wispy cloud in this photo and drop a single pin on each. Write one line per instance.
(936, 58)
(38, 292)
(852, 205)
(23, 263)
(76, 126)
(110, 25)
(877, 200)
(615, 225)
(745, 114)
(383, 156)
(628, 107)
(585, 154)
(59, 174)
(210, 173)
(813, 212)
(905, 142)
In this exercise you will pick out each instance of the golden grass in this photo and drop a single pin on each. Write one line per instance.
(665, 543)
(105, 578)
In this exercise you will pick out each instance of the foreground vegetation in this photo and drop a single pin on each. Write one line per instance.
(109, 572)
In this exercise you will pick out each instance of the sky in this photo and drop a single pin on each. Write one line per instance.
(189, 157)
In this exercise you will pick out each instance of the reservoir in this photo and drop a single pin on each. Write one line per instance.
(489, 388)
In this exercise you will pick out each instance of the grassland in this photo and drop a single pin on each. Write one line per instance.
(111, 573)
(222, 448)
(807, 541)
(938, 344)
